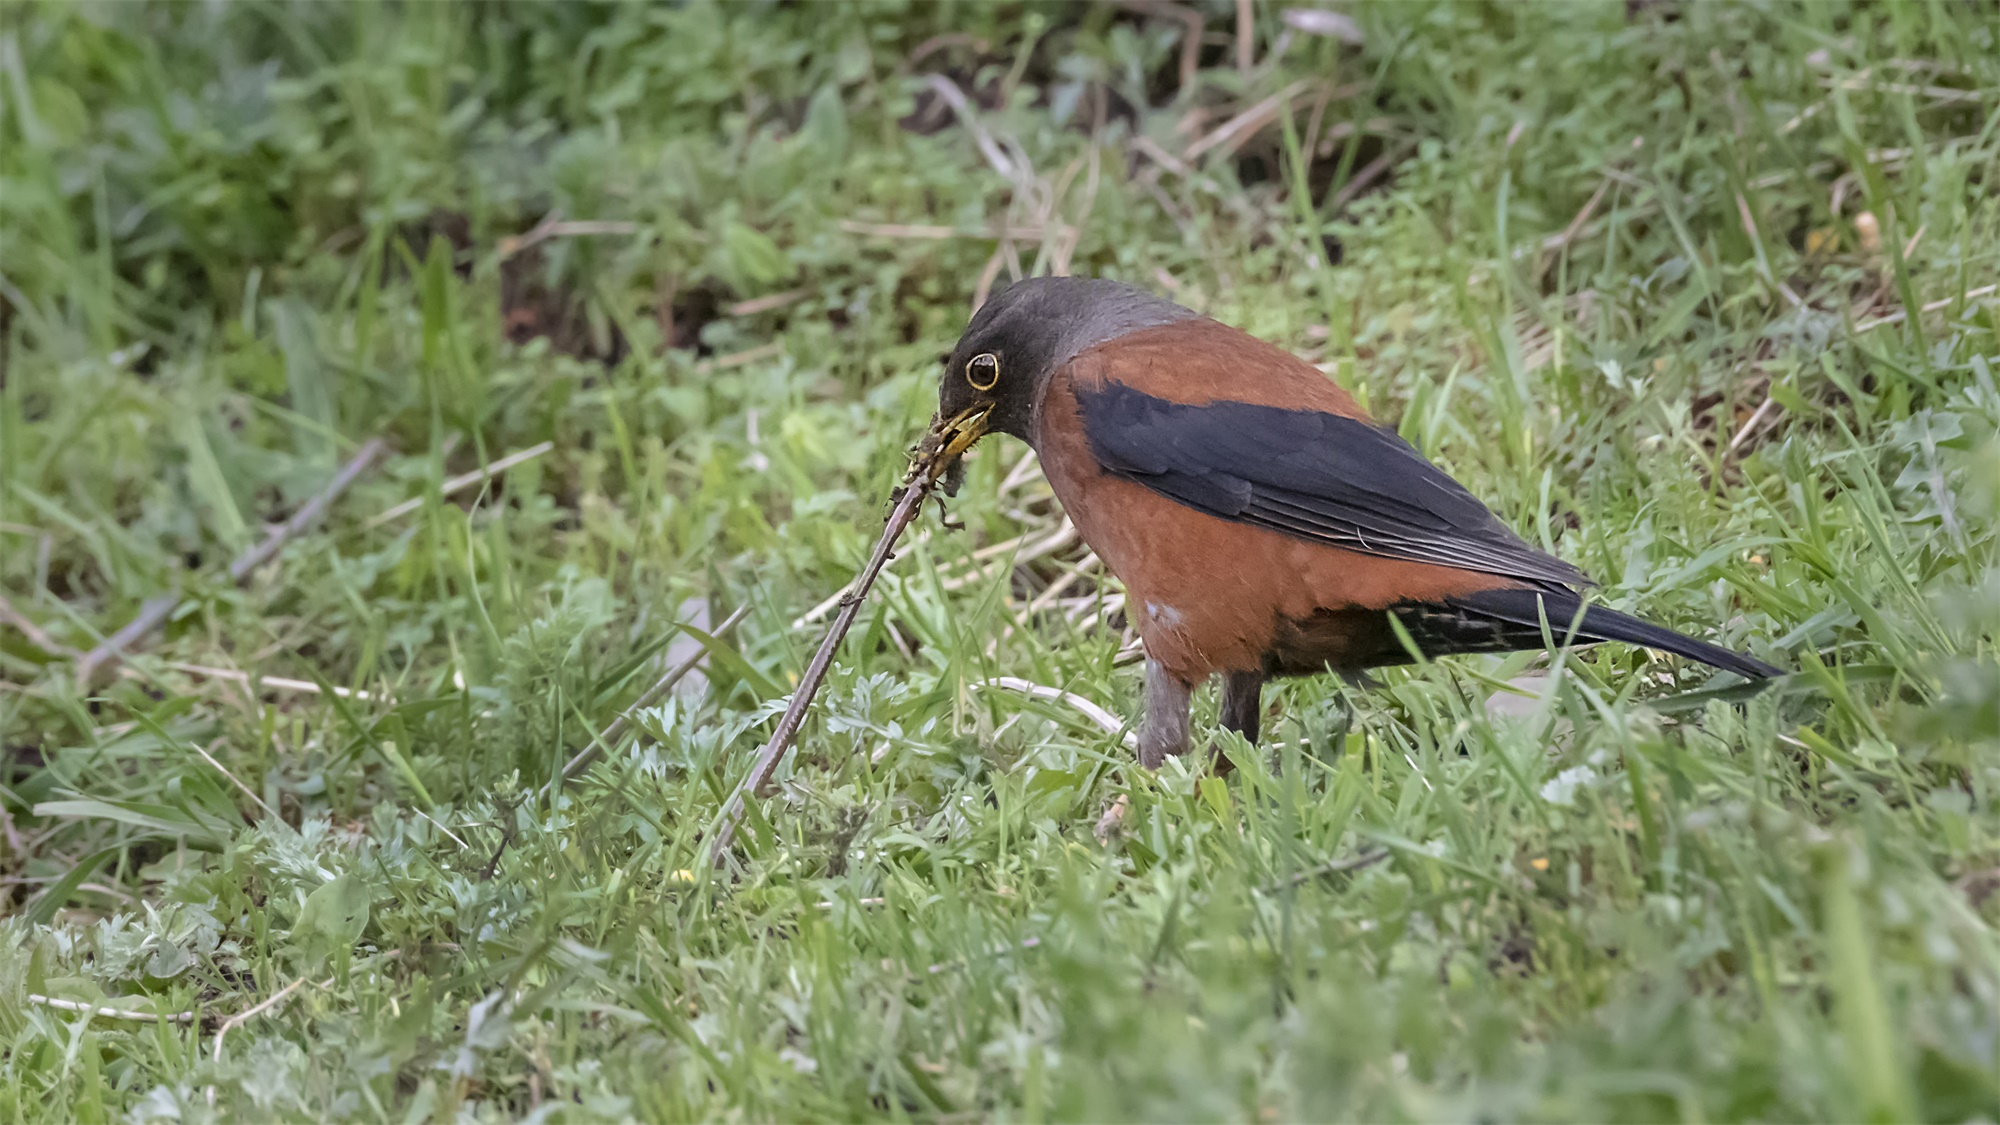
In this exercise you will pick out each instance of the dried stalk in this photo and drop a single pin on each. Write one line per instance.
(935, 460)
(464, 481)
(1110, 723)
(110, 1013)
(95, 665)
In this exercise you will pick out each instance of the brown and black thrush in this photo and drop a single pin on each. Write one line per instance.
(1262, 524)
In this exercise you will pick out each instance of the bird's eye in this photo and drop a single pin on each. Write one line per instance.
(983, 371)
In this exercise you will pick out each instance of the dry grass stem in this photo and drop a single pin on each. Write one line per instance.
(455, 485)
(1109, 723)
(110, 1013)
(95, 664)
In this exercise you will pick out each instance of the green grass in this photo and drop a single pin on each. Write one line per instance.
(1698, 296)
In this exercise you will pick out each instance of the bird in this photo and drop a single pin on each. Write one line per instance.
(1262, 524)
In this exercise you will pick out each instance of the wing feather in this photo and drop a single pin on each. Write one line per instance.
(1316, 475)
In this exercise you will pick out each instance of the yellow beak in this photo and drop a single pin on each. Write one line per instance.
(937, 454)
(967, 427)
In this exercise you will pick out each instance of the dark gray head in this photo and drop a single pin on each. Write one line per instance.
(1028, 331)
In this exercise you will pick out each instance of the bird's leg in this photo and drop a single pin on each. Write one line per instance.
(1164, 730)
(1242, 703)
(1242, 711)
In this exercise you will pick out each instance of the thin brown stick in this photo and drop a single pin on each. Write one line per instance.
(900, 518)
(615, 733)
(98, 662)
(840, 596)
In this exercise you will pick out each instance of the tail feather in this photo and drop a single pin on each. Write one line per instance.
(1525, 608)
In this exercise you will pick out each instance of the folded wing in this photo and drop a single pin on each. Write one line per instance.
(1319, 476)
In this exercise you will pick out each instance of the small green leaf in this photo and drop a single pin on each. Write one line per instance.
(332, 918)
(752, 259)
(825, 129)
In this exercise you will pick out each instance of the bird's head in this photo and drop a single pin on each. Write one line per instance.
(1026, 333)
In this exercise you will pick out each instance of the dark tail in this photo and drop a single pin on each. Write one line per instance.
(1518, 609)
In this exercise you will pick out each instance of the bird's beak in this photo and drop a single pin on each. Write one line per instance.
(936, 457)
(963, 429)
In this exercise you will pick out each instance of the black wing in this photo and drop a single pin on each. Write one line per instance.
(1319, 476)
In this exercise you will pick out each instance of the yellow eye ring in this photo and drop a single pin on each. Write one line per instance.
(989, 364)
